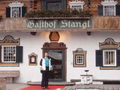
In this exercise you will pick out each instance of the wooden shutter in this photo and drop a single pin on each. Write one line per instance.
(118, 57)
(19, 54)
(0, 54)
(8, 12)
(117, 10)
(99, 58)
(100, 10)
(44, 4)
(24, 11)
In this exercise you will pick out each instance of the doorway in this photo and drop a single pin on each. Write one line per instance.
(57, 53)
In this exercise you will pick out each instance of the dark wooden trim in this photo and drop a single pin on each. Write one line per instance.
(42, 18)
(30, 56)
(109, 43)
(9, 40)
(57, 46)
(75, 53)
(65, 63)
(109, 68)
(9, 65)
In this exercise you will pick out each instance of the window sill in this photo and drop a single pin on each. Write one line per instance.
(110, 68)
(9, 64)
(109, 65)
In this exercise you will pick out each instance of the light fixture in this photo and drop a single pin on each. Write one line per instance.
(33, 33)
(88, 33)
(54, 36)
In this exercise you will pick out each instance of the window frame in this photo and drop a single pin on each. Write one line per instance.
(2, 56)
(79, 56)
(76, 53)
(16, 4)
(33, 56)
(62, 3)
(9, 40)
(114, 12)
(109, 3)
(76, 4)
(19, 10)
(79, 7)
(114, 58)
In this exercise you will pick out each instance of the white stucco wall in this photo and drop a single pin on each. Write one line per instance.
(73, 40)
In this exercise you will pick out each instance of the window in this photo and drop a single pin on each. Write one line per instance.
(54, 4)
(109, 57)
(79, 58)
(109, 11)
(109, 8)
(9, 54)
(15, 10)
(78, 8)
(78, 5)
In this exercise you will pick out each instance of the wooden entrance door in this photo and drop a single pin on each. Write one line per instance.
(57, 53)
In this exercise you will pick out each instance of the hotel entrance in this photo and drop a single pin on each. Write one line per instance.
(57, 53)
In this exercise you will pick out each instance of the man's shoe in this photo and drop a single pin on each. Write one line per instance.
(42, 87)
(46, 87)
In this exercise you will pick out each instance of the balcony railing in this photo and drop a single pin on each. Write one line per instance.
(106, 23)
(98, 24)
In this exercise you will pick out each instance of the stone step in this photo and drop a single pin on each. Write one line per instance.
(87, 89)
(53, 83)
(97, 82)
(93, 87)
(94, 82)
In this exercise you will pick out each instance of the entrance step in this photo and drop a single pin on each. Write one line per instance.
(108, 81)
(78, 81)
(97, 82)
(53, 83)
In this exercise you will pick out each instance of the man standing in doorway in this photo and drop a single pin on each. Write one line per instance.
(45, 66)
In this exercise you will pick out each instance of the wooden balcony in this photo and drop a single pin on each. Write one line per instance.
(98, 24)
(106, 23)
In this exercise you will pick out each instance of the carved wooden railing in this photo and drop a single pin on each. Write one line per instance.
(106, 23)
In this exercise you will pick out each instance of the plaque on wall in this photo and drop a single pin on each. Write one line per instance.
(32, 59)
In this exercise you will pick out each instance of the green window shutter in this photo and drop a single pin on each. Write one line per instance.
(118, 57)
(0, 54)
(100, 10)
(8, 12)
(99, 58)
(19, 54)
(117, 10)
(24, 11)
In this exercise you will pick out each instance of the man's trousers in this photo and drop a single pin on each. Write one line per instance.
(45, 78)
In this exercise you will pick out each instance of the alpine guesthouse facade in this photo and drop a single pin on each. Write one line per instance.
(87, 43)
